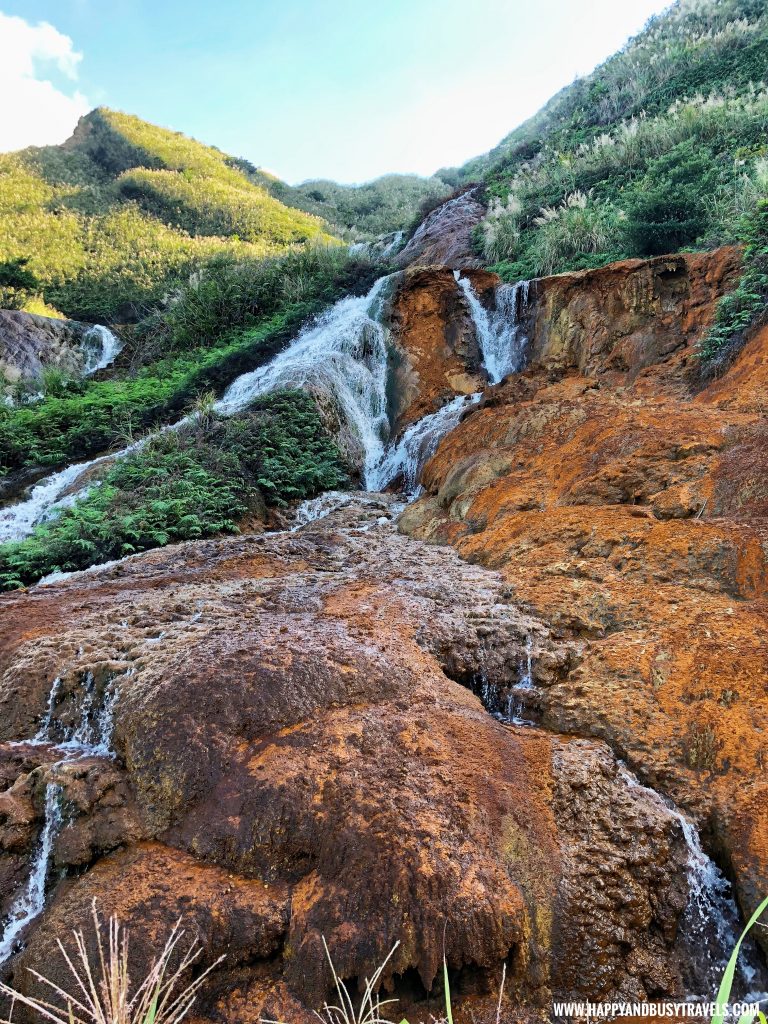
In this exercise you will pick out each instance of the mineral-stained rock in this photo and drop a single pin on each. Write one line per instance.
(28, 343)
(436, 346)
(297, 758)
(628, 511)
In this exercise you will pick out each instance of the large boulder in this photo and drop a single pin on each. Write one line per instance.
(29, 343)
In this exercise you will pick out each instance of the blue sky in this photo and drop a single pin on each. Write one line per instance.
(346, 89)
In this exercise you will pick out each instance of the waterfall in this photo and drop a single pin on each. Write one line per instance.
(342, 359)
(100, 348)
(710, 925)
(31, 901)
(50, 496)
(507, 703)
(418, 444)
(499, 333)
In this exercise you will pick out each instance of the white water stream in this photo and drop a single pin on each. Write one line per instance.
(711, 924)
(342, 358)
(100, 348)
(500, 331)
(31, 900)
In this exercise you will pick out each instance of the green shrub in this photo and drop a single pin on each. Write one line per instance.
(667, 209)
(745, 307)
(186, 484)
(577, 227)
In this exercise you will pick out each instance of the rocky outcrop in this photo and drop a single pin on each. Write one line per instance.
(629, 513)
(29, 343)
(299, 755)
(445, 235)
(436, 351)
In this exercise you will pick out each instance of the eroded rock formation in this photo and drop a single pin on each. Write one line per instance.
(628, 511)
(282, 738)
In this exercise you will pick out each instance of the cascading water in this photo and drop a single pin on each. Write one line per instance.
(500, 332)
(710, 925)
(31, 901)
(342, 360)
(508, 703)
(100, 348)
(418, 444)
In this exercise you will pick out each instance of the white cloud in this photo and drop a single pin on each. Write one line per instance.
(34, 111)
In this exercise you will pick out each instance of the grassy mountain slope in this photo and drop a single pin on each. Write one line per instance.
(113, 218)
(390, 203)
(663, 146)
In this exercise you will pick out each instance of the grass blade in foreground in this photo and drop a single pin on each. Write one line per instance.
(724, 993)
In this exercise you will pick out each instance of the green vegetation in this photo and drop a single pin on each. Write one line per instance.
(230, 318)
(661, 147)
(359, 212)
(745, 307)
(124, 211)
(186, 484)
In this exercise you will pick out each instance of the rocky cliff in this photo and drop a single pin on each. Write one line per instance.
(428, 734)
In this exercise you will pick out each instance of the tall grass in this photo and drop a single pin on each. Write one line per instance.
(102, 991)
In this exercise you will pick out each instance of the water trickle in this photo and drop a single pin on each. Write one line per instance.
(93, 734)
(43, 733)
(31, 901)
(506, 703)
(419, 442)
(500, 332)
(710, 925)
(100, 348)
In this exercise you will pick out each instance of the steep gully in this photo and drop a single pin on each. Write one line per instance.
(668, 941)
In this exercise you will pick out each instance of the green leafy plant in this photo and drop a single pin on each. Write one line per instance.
(744, 308)
(189, 483)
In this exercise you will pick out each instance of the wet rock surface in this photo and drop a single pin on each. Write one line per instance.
(445, 235)
(298, 754)
(29, 342)
(625, 506)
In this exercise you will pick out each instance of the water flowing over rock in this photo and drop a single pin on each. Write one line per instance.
(100, 348)
(445, 236)
(30, 343)
(628, 511)
(412, 723)
(345, 745)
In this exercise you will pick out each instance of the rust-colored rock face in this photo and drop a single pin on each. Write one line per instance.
(373, 735)
(437, 352)
(629, 514)
(299, 756)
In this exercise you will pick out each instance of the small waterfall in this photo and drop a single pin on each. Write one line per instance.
(93, 734)
(500, 333)
(508, 703)
(418, 444)
(342, 360)
(43, 733)
(31, 901)
(100, 348)
(711, 924)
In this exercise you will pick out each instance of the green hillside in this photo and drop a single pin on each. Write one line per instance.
(110, 220)
(390, 203)
(662, 147)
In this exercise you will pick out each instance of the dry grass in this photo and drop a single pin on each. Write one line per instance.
(102, 992)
